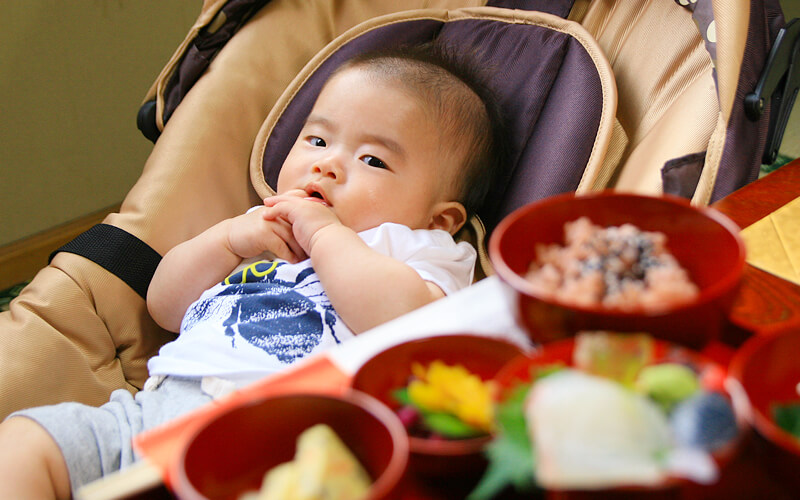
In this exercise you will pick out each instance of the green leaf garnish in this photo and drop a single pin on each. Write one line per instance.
(510, 454)
(401, 396)
(787, 416)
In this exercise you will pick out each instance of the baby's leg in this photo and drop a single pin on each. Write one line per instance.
(31, 464)
(74, 444)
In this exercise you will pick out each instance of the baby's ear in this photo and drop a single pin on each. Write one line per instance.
(448, 216)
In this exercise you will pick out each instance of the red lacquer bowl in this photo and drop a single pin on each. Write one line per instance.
(520, 370)
(767, 370)
(390, 370)
(231, 454)
(705, 242)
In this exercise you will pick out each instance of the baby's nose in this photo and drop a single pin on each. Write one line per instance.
(329, 167)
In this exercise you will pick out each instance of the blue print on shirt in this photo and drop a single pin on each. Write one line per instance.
(270, 313)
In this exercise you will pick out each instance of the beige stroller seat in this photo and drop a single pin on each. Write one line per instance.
(629, 96)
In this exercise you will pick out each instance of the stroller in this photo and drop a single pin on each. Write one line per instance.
(651, 96)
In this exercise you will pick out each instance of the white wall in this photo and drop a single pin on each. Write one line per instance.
(72, 76)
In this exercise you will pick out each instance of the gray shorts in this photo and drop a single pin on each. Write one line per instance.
(97, 440)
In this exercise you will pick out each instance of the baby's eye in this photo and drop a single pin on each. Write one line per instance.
(317, 142)
(373, 161)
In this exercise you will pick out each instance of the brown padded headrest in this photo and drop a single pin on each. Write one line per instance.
(555, 88)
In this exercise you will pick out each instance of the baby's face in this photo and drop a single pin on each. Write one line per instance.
(372, 153)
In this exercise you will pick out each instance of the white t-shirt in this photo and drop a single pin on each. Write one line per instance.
(268, 314)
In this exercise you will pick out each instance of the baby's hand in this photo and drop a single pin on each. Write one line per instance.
(306, 215)
(252, 234)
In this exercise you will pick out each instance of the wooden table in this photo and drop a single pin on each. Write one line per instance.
(765, 303)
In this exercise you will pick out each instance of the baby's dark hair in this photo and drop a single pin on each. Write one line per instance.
(448, 79)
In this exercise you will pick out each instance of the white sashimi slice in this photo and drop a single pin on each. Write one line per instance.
(590, 432)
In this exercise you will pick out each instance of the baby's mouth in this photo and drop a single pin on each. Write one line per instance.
(315, 195)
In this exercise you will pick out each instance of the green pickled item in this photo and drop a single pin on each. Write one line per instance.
(450, 426)
(444, 424)
(667, 383)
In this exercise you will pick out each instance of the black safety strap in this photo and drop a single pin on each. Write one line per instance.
(118, 252)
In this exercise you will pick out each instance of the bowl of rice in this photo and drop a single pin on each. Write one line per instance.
(620, 262)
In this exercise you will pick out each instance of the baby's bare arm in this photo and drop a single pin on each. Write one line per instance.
(195, 265)
(365, 287)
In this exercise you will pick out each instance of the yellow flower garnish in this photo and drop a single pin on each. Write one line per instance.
(453, 389)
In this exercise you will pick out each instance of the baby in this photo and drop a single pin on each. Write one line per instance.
(400, 148)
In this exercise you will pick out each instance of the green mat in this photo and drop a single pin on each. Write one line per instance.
(780, 161)
(8, 294)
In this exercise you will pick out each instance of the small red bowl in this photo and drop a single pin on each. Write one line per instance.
(767, 371)
(704, 241)
(519, 370)
(390, 370)
(231, 454)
